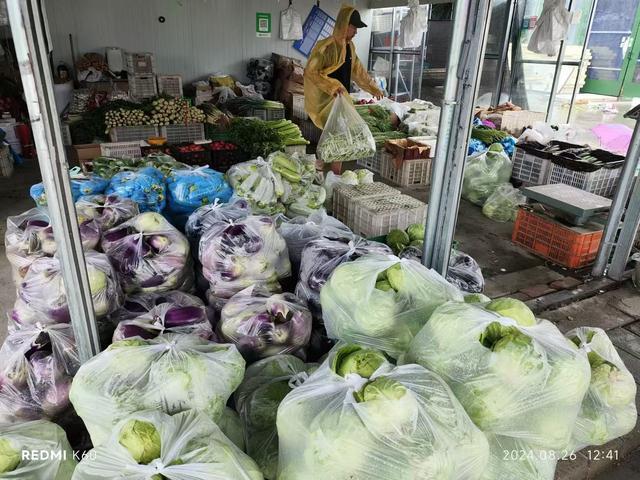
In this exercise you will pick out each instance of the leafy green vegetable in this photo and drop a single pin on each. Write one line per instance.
(142, 440)
(255, 137)
(416, 231)
(476, 298)
(513, 308)
(358, 360)
(488, 135)
(398, 240)
(9, 456)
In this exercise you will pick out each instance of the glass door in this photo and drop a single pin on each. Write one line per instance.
(631, 84)
(610, 43)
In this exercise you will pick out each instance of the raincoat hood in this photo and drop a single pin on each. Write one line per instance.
(342, 22)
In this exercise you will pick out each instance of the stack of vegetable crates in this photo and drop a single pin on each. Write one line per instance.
(372, 163)
(345, 196)
(142, 86)
(121, 149)
(170, 85)
(569, 246)
(131, 134)
(183, 132)
(379, 215)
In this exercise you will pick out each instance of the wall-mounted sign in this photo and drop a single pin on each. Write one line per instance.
(263, 25)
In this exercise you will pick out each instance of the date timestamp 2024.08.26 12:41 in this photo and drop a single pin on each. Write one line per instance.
(591, 454)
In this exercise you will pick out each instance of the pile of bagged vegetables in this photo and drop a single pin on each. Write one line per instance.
(246, 334)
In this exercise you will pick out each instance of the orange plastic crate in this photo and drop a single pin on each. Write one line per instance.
(572, 247)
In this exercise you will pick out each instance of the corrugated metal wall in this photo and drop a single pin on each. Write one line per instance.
(199, 37)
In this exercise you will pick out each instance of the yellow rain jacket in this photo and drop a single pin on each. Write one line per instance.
(327, 57)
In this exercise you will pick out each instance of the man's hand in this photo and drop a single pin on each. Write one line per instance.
(379, 95)
(340, 91)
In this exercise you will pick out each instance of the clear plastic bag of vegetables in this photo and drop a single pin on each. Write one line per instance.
(107, 210)
(382, 301)
(37, 365)
(502, 204)
(265, 385)
(30, 236)
(42, 296)
(484, 172)
(299, 231)
(464, 272)
(153, 445)
(261, 324)
(358, 417)
(203, 219)
(80, 185)
(322, 256)
(190, 189)
(346, 136)
(170, 373)
(308, 202)
(296, 169)
(608, 410)
(231, 426)
(37, 436)
(256, 181)
(146, 187)
(524, 382)
(149, 254)
(236, 255)
(170, 312)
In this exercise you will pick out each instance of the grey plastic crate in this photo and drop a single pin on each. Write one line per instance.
(183, 132)
(529, 169)
(602, 182)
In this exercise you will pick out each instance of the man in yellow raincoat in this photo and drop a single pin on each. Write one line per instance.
(332, 66)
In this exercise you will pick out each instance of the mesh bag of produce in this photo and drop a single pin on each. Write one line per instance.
(174, 312)
(358, 417)
(502, 204)
(189, 189)
(80, 185)
(107, 210)
(153, 445)
(299, 231)
(261, 324)
(33, 438)
(236, 255)
(322, 256)
(42, 296)
(484, 172)
(149, 254)
(36, 366)
(511, 459)
(346, 136)
(203, 219)
(256, 181)
(265, 385)
(146, 187)
(170, 373)
(30, 236)
(608, 410)
(382, 301)
(524, 382)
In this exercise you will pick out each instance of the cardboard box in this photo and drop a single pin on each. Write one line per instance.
(405, 149)
(82, 155)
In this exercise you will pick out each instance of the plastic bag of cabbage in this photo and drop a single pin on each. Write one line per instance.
(148, 315)
(154, 445)
(382, 302)
(484, 172)
(36, 368)
(502, 204)
(42, 298)
(265, 385)
(231, 426)
(37, 436)
(203, 219)
(524, 382)
(171, 373)
(149, 254)
(360, 418)
(146, 187)
(608, 410)
(189, 189)
(30, 236)
(261, 324)
(80, 185)
(322, 256)
(256, 181)
(107, 210)
(299, 231)
(236, 255)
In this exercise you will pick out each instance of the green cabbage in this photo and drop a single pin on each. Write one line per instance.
(416, 231)
(355, 359)
(231, 426)
(9, 456)
(513, 308)
(476, 298)
(398, 240)
(142, 440)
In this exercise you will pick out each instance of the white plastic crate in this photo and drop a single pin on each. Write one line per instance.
(602, 182)
(267, 114)
(297, 107)
(121, 149)
(131, 134)
(139, 63)
(183, 132)
(412, 173)
(6, 162)
(142, 87)
(379, 215)
(372, 163)
(344, 197)
(529, 169)
(170, 85)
